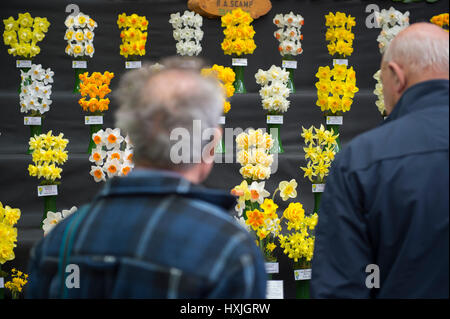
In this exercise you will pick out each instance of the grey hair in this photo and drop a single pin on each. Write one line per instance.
(419, 52)
(149, 115)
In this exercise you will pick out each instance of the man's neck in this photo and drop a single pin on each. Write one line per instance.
(190, 174)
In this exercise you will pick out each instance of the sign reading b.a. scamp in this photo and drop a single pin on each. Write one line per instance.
(217, 8)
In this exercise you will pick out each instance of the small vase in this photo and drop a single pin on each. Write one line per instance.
(34, 130)
(317, 198)
(335, 129)
(239, 85)
(274, 130)
(76, 88)
(49, 206)
(94, 128)
(290, 84)
(302, 289)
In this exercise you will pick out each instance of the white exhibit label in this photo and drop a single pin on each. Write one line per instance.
(272, 268)
(288, 64)
(274, 289)
(302, 274)
(239, 62)
(91, 120)
(274, 119)
(335, 120)
(23, 63)
(79, 64)
(47, 190)
(133, 64)
(340, 61)
(2, 282)
(318, 188)
(32, 120)
(222, 120)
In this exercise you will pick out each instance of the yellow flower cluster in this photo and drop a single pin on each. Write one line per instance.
(226, 77)
(23, 34)
(336, 95)
(264, 222)
(440, 20)
(299, 244)
(19, 280)
(238, 33)
(254, 154)
(339, 33)
(133, 37)
(320, 152)
(8, 233)
(48, 151)
(96, 87)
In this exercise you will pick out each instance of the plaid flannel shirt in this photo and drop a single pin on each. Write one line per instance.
(153, 235)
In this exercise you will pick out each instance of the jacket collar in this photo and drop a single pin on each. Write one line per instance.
(417, 98)
(159, 182)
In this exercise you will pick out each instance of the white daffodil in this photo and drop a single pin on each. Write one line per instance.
(97, 156)
(175, 20)
(67, 212)
(112, 168)
(278, 20)
(89, 48)
(113, 139)
(91, 24)
(80, 20)
(23, 104)
(115, 154)
(261, 77)
(36, 72)
(257, 192)
(288, 189)
(32, 102)
(99, 138)
(51, 221)
(70, 21)
(126, 168)
(128, 155)
(98, 173)
(48, 76)
(45, 105)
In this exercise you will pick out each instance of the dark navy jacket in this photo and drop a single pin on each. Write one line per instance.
(151, 234)
(386, 202)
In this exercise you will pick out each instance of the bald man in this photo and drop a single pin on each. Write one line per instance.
(383, 226)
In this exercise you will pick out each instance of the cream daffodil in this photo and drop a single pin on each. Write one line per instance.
(257, 192)
(288, 189)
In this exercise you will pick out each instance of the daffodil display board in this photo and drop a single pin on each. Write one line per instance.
(66, 115)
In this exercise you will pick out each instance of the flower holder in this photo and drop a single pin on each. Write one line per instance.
(274, 130)
(78, 71)
(94, 128)
(290, 65)
(238, 84)
(317, 199)
(2, 284)
(220, 147)
(49, 206)
(302, 274)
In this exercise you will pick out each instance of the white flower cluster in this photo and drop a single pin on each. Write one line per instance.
(54, 219)
(289, 34)
(274, 91)
(379, 93)
(113, 155)
(80, 35)
(187, 32)
(36, 89)
(391, 23)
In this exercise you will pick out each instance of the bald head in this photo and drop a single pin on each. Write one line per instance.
(418, 53)
(421, 49)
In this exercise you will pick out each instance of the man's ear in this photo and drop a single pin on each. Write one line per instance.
(208, 151)
(399, 77)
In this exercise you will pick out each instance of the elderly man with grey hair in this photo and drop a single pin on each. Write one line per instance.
(156, 233)
(383, 226)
